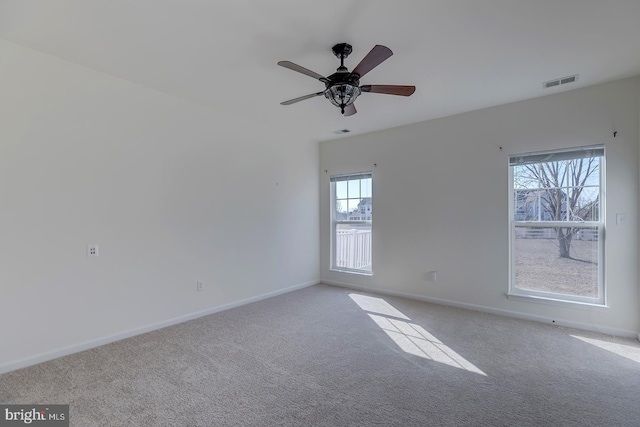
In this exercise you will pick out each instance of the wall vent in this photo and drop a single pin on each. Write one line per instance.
(560, 81)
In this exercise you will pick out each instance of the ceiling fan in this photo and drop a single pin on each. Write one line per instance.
(343, 87)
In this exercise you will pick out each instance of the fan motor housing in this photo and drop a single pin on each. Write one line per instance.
(338, 78)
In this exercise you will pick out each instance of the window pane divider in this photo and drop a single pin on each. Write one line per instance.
(558, 224)
(564, 187)
(353, 222)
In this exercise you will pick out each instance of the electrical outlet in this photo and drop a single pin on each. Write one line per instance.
(433, 276)
(199, 287)
(92, 250)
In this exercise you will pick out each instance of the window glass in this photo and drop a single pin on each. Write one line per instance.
(351, 223)
(556, 233)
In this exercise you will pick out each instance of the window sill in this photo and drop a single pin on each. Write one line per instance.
(360, 273)
(556, 301)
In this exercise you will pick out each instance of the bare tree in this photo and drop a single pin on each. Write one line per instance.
(561, 185)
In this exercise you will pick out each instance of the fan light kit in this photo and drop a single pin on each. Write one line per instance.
(342, 88)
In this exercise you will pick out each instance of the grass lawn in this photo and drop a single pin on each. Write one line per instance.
(539, 267)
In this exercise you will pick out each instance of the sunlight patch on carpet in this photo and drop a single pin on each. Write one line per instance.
(411, 338)
(377, 305)
(627, 351)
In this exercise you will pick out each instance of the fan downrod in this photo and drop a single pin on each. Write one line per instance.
(342, 50)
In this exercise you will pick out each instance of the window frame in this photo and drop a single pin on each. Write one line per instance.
(335, 222)
(554, 297)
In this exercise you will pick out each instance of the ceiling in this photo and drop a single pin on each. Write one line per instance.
(462, 55)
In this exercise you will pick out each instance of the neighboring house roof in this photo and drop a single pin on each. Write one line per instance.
(364, 201)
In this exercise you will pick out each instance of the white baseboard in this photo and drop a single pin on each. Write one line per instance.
(86, 345)
(484, 309)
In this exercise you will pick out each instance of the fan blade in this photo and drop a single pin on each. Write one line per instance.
(295, 67)
(374, 58)
(302, 98)
(389, 89)
(350, 110)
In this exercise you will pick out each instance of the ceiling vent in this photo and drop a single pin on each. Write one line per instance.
(560, 81)
(341, 131)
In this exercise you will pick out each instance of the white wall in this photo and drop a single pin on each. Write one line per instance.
(172, 192)
(440, 201)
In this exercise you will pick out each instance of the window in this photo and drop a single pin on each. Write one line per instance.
(557, 226)
(351, 231)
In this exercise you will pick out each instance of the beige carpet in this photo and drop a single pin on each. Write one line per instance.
(327, 356)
